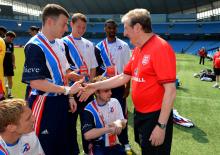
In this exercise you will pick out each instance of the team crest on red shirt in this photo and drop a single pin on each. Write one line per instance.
(146, 59)
(136, 72)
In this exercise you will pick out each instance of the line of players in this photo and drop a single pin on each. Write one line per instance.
(57, 69)
(107, 58)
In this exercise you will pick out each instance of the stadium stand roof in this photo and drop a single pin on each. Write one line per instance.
(122, 6)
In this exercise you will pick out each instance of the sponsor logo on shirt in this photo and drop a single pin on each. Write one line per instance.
(26, 147)
(120, 47)
(45, 132)
(8, 50)
(111, 109)
(146, 59)
(62, 49)
(136, 78)
(31, 70)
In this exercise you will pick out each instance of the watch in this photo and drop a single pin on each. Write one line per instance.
(162, 126)
(66, 90)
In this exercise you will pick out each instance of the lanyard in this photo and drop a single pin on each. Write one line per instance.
(46, 43)
(78, 50)
(3, 146)
(108, 52)
(100, 114)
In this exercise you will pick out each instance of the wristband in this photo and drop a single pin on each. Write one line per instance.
(66, 90)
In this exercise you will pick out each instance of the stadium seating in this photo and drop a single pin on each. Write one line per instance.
(18, 26)
(183, 29)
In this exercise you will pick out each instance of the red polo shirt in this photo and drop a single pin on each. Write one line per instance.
(150, 67)
(216, 60)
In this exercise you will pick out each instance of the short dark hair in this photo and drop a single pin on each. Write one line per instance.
(77, 16)
(3, 29)
(53, 10)
(10, 34)
(34, 28)
(110, 21)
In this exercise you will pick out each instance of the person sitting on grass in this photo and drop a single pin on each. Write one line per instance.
(102, 121)
(16, 129)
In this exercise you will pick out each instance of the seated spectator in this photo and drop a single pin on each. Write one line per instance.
(16, 129)
(207, 75)
(102, 121)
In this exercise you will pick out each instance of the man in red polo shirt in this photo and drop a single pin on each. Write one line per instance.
(202, 53)
(152, 69)
(216, 67)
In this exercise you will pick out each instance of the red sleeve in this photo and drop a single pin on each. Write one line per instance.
(164, 63)
(214, 57)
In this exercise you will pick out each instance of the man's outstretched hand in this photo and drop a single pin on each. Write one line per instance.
(86, 91)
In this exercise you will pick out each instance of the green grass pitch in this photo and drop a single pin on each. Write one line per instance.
(195, 100)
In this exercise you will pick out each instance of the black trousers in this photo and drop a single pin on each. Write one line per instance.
(202, 60)
(143, 127)
(72, 118)
(114, 150)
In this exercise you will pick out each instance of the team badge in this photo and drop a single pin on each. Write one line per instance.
(145, 59)
(26, 147)
(136, 72)
(87, 45)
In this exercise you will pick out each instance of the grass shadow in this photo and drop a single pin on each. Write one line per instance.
(183, 89)
(198, 134)
(131, 119)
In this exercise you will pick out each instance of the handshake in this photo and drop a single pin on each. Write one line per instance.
(82, 89)
(75, 88)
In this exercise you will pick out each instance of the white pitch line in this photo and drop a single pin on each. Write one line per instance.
(197, 98)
